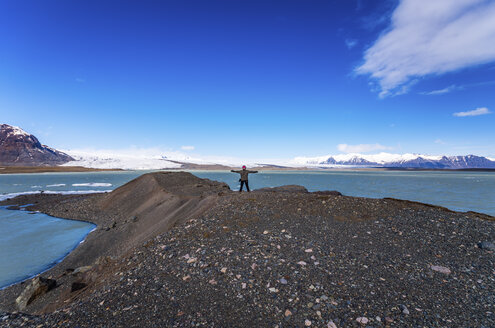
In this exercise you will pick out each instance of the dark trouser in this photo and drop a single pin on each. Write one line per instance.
(244, 183)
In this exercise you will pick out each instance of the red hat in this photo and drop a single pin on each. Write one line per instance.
(244, 166)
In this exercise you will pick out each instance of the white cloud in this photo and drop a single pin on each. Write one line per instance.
(441, 91)
(362, 148)
(187, 147)
(474, 112)
(431, 37)
(440, 142)
(351, 43)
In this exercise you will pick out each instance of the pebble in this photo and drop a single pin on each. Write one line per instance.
(441, 269)
(283, 281)
(362, 320)
(307, 323)
(288, 313)
(331, 324)
(488, 245)
(302, 263)
(404, 309)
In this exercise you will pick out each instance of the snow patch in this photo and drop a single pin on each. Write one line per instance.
(92, 184)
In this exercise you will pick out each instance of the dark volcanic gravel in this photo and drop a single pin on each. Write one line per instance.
(282, 259)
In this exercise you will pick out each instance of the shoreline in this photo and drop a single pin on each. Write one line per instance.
(49, 169)
(215, 167)
(220, 218)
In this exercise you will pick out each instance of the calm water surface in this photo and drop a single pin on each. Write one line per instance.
(31, 243)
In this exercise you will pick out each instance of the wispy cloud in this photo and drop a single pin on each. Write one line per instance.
(187, 147)
(80, 80)
(362, 148)
(351, 43)
(474, 112)
(430, 37)
(442, 91)
(440, 142)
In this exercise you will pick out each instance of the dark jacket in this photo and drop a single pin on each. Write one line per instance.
(243, 173)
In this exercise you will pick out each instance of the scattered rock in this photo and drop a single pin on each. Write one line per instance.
(404, 309)
(331, 324)
(307, 323)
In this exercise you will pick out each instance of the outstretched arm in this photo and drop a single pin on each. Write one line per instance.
(252, 171)
(235, 171)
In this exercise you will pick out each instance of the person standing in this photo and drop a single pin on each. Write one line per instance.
(244, 177)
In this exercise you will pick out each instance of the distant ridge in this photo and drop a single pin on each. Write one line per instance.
(19, 148)
(399, 161)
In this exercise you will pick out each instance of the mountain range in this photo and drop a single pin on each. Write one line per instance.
(398, 161)
(19, 148)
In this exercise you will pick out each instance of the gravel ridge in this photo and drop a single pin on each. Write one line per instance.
(289, 259)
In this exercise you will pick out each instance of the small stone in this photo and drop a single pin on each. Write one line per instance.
(488, 245)
(389, 320)
(81, 269)
(309, 250)
(288, 313)
(223, 270)
(310, 305)
(283, 281)
(186, 278)
(266, 232)
(302, 263)
(307, 323)
(331, 324)
(243, 285)
(324, 298)
(77, 286)
(441, 269)
(212, 282)
(404, 309)
(378, 319)
(272, 290)
(362, 320)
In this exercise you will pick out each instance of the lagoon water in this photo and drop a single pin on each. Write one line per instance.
(31, 243)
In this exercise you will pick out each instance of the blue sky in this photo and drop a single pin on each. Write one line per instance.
(252, 79)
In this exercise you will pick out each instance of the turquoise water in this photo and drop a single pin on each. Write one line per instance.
(463, 191)
(32, 243)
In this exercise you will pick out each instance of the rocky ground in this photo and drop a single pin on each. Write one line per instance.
(289, 259)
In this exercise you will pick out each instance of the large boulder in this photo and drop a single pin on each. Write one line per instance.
(36, 288)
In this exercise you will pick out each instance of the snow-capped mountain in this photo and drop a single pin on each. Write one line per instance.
(19, 148)
(397, 160)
